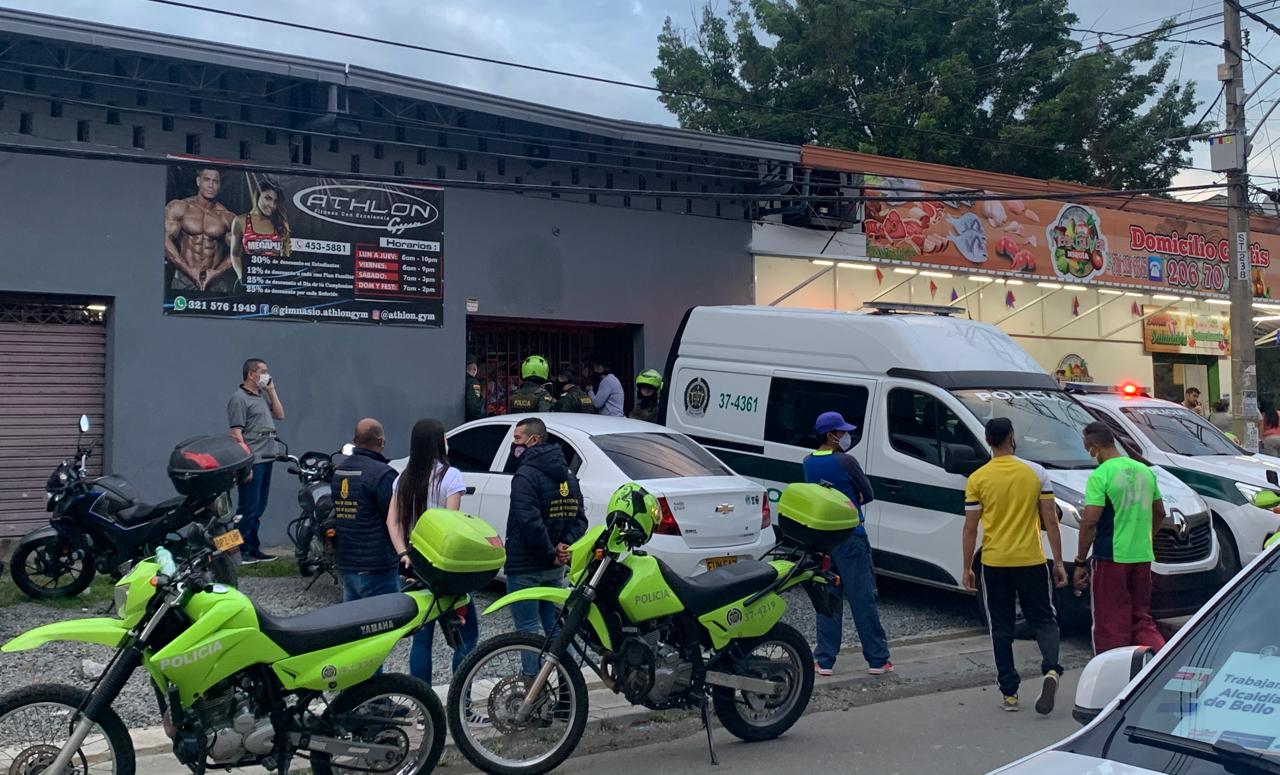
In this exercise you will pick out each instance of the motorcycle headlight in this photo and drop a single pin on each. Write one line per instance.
(222, 505)
(1070, 503)
(63, 478)
(121, 597)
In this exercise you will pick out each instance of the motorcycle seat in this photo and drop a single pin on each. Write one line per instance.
(148, 512)
(337, 624)
(718, 588)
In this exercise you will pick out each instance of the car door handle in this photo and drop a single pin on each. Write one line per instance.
(471, 491)
(893, 486)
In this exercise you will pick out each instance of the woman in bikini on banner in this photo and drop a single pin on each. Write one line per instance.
(259, 236)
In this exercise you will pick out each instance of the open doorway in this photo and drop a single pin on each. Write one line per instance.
(1174, 374)
(500, 345)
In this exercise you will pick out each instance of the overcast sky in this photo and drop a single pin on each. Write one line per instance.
(611, 38)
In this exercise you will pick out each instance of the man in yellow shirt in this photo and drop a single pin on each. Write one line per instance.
(1012, 498)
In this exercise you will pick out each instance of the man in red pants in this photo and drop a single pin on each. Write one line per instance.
(1123, 512)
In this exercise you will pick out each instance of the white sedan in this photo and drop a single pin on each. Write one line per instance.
(710, 516)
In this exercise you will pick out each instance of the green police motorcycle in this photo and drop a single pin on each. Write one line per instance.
(518, 704)
(239, 687)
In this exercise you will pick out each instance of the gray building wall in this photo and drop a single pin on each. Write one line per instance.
(72, 226)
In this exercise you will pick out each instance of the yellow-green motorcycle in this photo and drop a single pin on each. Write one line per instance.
(518, 703)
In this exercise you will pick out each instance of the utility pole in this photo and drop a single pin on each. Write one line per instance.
(1244, 379)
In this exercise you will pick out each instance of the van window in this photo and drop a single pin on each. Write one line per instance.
(794, 405)
(922, 427)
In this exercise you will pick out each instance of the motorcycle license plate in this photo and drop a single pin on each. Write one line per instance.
(228, 540)
(720, 562)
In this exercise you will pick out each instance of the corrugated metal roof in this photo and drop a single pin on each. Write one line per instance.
(57, 28)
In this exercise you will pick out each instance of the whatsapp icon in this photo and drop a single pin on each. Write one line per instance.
(180, 304)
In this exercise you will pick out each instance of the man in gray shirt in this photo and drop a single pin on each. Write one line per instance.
(251, 414)
(607, 396)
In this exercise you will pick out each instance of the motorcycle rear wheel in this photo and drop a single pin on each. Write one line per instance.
(388, 709)
(35, 722)
(782, 655)
(46, 569)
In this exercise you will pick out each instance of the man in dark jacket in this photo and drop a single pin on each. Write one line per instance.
(361, 497)
(546, 516)
(474, 400)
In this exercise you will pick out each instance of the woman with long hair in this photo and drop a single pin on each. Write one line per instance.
(263, 231)
(428, 482)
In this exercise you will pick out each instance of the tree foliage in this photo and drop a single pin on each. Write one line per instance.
(990, 84)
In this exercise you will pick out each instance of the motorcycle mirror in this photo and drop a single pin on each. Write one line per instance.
(84, 423)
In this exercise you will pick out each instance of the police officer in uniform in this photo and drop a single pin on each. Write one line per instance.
(648, 389)
(474, 391)
(570, 397)
(532, 396)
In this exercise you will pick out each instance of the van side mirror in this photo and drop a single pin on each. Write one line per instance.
(960, 459)
(1267, 499)
(1105, 677)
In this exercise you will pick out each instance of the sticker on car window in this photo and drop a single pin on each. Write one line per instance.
(1241, 703)
(1189, 680)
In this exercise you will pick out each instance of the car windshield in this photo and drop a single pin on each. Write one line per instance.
(1221, 684)
(1180, 431)
(658, 455)
(1048, 423)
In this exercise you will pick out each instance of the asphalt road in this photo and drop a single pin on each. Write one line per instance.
(956, 732)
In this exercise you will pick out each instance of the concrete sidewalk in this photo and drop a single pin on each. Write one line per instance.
(922, 666)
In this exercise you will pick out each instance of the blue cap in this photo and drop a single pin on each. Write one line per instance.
(830, 422)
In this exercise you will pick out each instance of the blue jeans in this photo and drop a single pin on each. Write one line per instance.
(527, 615)
(359, 585)
(852, 561)
(420, 665)
(253, 503)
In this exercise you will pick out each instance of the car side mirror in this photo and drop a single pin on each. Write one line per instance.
(960, 459)
(84, 423)
(1105, 677)
(1267, 499)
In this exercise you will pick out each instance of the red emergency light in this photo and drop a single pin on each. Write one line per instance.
(1129, 390)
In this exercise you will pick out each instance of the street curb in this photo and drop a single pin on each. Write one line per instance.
(932, 664)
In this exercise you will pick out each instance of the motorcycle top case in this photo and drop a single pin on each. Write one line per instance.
(207, 466)
(456, 553)
(816, 517)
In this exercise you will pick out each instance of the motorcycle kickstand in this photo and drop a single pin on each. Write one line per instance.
(706, 724)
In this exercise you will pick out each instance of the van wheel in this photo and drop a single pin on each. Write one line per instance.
(1228, 554)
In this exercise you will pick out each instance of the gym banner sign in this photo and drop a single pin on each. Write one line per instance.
(1060, 241)
(241, 244)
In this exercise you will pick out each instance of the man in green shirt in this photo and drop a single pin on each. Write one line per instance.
(1123, 512)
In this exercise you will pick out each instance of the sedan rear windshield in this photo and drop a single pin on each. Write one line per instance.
(658, 455)
(1180, 431)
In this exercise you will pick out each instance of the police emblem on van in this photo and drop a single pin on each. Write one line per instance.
(697, 395)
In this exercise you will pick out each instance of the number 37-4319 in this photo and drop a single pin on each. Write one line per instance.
(739, 402)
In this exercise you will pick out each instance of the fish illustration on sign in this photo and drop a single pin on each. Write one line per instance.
(969, 237)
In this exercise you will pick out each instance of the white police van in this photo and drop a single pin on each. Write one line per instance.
(748, 383)
(1184, 444)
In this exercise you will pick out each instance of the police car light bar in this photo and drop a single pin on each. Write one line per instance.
(1131, 389)
(891, 307)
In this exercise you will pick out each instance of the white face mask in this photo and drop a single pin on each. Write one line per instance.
(846, 443)
(264, 379)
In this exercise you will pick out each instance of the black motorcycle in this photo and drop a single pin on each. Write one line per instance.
(313, 530)
(102, 525)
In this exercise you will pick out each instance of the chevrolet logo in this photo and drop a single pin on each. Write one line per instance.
(724, 508)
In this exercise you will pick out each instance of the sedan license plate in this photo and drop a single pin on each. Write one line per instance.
(720, 562)
(228, 540)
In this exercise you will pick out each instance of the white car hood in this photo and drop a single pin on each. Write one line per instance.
(1249, 469)
(1176, 494)
(1063, 763)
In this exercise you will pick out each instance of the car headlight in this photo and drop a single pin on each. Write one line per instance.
(1070, 503)
(1249, 491)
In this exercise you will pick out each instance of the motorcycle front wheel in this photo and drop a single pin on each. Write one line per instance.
(391, 709)
(486, 696)
(782, 656)
(52, 568)
(36, 721)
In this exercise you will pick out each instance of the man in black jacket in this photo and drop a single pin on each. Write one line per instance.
(361, 496)
(546, 516)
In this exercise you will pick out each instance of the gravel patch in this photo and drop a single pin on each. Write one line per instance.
(906, 610)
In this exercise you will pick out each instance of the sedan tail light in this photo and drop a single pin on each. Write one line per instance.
(766, 516)
(667, 526)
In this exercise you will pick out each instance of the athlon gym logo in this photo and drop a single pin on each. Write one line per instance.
(180, 304)
(697, 396)
(733, 617)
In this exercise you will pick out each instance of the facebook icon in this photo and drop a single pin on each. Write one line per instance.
(1155, 269)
